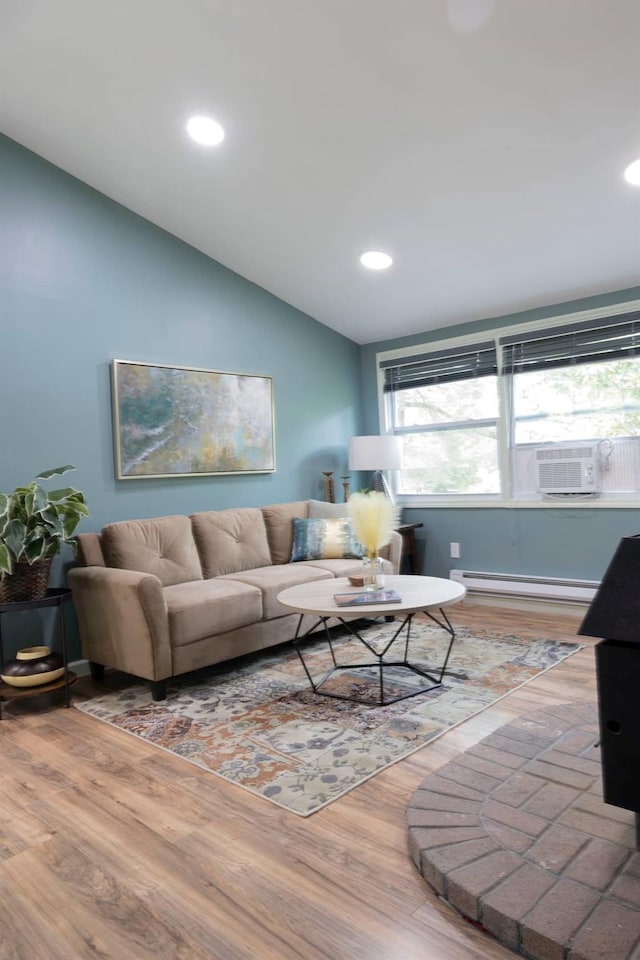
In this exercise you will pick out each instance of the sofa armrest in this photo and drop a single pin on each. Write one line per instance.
(122, 619)
(393, 551)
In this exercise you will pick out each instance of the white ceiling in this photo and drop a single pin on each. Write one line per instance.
(480, 142)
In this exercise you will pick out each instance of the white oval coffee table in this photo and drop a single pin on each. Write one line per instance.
(428, 595)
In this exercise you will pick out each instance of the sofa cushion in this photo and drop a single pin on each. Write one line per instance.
(204, 608)
(345, 567)
(230, 540)
(277, 519)
(317, 539)
(163, 546)
(323, 510)
(90, 550)
(272, 580)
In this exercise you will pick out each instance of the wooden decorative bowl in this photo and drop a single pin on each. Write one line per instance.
(32, 667)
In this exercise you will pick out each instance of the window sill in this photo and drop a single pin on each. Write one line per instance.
(630, 502)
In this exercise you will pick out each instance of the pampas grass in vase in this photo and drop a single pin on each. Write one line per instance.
(373, 519)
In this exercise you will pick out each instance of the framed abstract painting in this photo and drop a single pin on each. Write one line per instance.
(186, 421)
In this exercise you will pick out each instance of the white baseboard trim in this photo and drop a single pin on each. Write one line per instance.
(529, 587)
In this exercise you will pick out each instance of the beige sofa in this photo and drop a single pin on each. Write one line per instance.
(160, 597)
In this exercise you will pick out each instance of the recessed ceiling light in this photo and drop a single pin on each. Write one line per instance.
(205, 130)
(632, 173)
(376, 260)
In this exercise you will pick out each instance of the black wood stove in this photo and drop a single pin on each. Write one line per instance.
(614, 614)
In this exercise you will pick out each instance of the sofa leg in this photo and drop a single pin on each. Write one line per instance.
(97, 670)
(159, 689)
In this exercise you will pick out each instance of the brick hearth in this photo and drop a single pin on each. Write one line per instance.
(514, 834)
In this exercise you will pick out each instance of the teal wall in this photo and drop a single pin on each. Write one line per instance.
(561, 542)
(82, 281)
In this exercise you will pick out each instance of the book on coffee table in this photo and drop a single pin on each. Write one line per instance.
(361, 598)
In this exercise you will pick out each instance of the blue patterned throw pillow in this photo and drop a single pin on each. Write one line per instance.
(319, 539)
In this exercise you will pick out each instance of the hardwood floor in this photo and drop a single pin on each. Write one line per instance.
(113, 849)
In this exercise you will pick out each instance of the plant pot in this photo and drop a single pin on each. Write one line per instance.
(27, 582)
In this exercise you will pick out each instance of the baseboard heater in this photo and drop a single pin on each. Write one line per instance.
(522, 586)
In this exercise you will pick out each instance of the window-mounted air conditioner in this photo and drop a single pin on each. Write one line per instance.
(567, 468)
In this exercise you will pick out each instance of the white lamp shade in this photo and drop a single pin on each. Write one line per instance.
(375, 453)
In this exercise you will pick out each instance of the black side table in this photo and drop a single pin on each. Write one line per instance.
(409, 546)
(55, 597)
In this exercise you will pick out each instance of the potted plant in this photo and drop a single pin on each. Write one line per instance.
(373, 518)
(34, 525)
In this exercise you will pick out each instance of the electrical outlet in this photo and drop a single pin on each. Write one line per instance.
(455, 551)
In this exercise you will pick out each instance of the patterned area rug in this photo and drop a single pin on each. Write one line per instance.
(257, 724)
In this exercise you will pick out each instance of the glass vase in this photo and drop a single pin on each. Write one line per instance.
(372, 574)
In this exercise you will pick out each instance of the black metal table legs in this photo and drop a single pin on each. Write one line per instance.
(380, 663)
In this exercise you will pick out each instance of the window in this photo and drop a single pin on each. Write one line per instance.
(445, 406)
(580, 381)
(575, 382)
(466, 409)
(577, 403)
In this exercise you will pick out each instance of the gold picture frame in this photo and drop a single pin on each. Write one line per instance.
(172, 421)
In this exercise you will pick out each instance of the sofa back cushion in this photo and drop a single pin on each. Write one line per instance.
(278, 519)
(163, 547)
(229, 541)
(90, 550)
(323, 510)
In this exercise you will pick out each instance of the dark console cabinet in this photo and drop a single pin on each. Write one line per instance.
(618, 675)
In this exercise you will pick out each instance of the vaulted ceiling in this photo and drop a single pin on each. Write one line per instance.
(481, 143)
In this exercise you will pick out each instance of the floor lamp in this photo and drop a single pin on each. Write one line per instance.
(376, 453)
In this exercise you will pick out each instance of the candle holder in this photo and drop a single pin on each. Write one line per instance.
(329, 486)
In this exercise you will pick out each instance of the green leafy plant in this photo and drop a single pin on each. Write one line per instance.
(35, 523)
